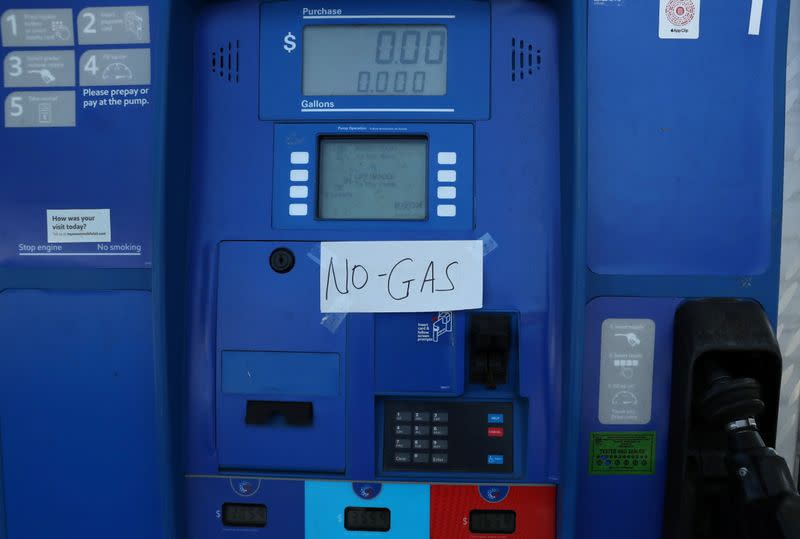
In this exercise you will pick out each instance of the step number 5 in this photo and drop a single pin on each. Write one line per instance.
(16, 109)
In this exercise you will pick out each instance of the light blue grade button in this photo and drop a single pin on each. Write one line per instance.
(495, 459)
(496, 419)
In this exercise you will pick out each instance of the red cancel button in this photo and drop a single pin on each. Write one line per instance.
(495, 432)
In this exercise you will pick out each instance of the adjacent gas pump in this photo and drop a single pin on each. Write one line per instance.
(680, 373)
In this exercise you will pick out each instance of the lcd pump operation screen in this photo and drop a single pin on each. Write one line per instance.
(375, 60)
(362, 178)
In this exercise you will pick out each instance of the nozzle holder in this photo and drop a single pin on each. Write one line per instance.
(726, 367)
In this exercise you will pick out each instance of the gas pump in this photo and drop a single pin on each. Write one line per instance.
(378, 156)
(417, 270)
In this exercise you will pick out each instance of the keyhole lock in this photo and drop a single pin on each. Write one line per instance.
(281, 260)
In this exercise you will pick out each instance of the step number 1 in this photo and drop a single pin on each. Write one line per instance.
(13, 20)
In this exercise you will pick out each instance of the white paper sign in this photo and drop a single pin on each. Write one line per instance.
(400, 276)
(679, 19)
(78, 226)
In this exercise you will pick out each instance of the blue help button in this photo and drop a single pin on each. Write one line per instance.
(495, 459)
(496, 419)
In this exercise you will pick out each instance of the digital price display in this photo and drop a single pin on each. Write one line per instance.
(376, 178)
(367, 519)
(248, 515)
(374, 60)
(504, 522)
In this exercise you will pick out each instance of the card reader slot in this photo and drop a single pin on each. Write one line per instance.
(296, 414)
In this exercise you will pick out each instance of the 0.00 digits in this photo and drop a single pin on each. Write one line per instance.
(383, 82)
(409, 49)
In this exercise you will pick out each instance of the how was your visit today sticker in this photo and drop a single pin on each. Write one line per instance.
(78, 226)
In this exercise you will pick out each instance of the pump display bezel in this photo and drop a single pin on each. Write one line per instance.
(450, 184)
(468, 62)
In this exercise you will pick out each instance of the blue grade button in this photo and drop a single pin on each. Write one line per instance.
(496, 419)
(495, 459)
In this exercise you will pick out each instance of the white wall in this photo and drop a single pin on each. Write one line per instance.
(789, 307)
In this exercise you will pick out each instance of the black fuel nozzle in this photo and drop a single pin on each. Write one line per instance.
(761, 486)
(724, 399)
(724, 391)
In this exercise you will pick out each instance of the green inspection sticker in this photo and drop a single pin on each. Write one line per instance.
(622, 453)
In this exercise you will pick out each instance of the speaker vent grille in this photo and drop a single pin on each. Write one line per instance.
(525, 59)
(225, 61)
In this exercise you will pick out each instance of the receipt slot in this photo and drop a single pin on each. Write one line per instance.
(373, 243)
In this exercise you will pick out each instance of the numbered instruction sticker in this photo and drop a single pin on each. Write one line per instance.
(115, 67)
(37, 28)
(39, 69)
(114, 25)
(40, 109)
(401, 276)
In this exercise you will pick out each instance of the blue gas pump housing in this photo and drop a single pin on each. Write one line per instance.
(180, 181)
(384, 405)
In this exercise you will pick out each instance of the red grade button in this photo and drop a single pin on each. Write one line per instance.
(496, 432)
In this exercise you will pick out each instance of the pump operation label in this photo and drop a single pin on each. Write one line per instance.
(401, 276)
(627, 352)
(622, 453)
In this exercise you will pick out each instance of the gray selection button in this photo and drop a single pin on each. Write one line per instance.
(440, 417)
(39, 69)
(422, 444)
(37, 28)
(402, 430)
(402, 416)
(422, 458)
(40, 109)
(422, 417)
(114, 25)
(115, 67)
(402, 443)
(440, 431)
(440, 444)
(422, 430)
(439, 458)
(402, 458)
(627, 350)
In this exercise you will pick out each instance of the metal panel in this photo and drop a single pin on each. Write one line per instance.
(77, 401)
(789, 307)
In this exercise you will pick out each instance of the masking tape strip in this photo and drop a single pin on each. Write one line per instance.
(756, 9)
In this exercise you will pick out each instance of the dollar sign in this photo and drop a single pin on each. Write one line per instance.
(289, 42)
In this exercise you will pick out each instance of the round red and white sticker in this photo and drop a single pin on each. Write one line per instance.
(680, 12)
